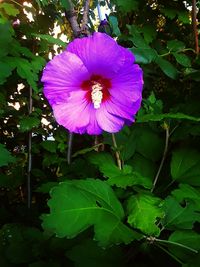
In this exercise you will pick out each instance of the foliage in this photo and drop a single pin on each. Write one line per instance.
(91, 212)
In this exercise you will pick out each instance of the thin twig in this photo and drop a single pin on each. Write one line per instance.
(30, 108)
(72, 18)
(69, 149)
(84, 27)
(119, 163)
(169, 253)
(168, 242)
(163, 158)
(194, 23)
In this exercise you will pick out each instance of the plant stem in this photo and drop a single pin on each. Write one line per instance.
(72, 18)
(175, 244)
(119, 163)
(170, 254)
(84, 27)
(69, 149)
(194, 23)
(30, 108)
(99, 12)
(163, 158)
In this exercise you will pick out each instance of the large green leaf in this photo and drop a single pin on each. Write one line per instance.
(182, 59)
(177, 217)
(187, 193)
(5, 71)
(5, 38)
(175, 45)
(185, 166)
(149, 141)
(188, 240)
(77, 205)
(167, 67)
(90, 254)
(121, 178)
(5, 156)
(144, 211)
(144, 55)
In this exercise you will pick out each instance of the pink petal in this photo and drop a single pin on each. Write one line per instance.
(127, 85)
(74, 114)
(93, 127)
(63, 74)
(100, 54)
(108, 122)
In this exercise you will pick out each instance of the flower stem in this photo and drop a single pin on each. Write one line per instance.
(117, 154)
(30, 109)
(194, 24)
(99, 12)
(69, 149)
(163, 158)
(169, 253)
(175, 244)
(84, 27)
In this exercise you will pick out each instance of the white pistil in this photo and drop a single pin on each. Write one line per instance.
(97, 95)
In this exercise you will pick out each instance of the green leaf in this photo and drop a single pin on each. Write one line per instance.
(120, 178)
(182, 59)
(50, 39)
(5, 38)
(25, 70)
(114, 24)
(5, 71)
(65, 4)
(126, 177)
(128, 5)
(185, 166)
(84, 203)
(159, 117)
(170, 13)
(177, 217)
(27, 124)
(175, 45)
(167, 68)
(187, 238)
(187, 193)
(10, 9)
(45, 188)
(90, 254)
(50, 146)
(148, 141)
(144, 55)
(137, 38)
(5, 156)
(144, 211)
(143, 166)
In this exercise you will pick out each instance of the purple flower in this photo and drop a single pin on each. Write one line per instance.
(93, 85)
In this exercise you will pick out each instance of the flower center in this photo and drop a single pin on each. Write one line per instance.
(97, 90)
(97, 95)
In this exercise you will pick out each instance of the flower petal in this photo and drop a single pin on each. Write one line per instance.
(63, 74)
(100, 54)
(74, 114)
(108, 122)
(115, 108)
(127, 85)
(93, 127)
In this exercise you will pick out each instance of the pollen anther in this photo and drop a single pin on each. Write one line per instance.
(97, 95)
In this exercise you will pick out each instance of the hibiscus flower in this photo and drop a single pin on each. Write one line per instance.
(93, 85)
